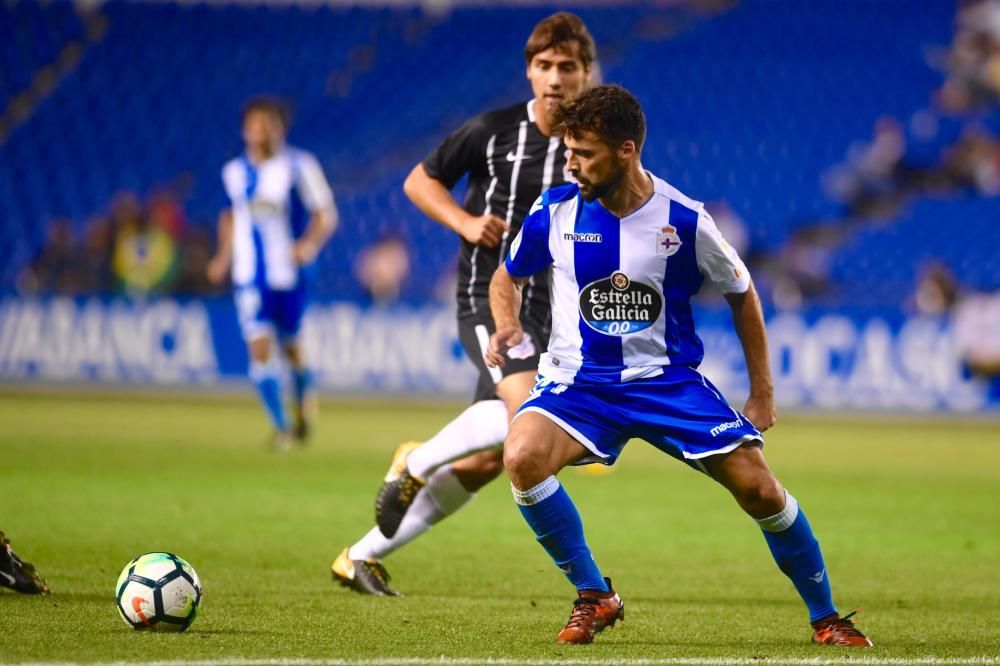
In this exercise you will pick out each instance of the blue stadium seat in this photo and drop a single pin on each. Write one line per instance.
(750, 106)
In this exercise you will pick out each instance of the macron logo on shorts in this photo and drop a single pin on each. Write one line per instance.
(723, 427)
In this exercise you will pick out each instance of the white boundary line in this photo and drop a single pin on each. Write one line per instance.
(487, 661)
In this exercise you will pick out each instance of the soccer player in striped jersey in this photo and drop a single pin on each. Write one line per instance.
(627, 252)
(510, 156)
(281, 214)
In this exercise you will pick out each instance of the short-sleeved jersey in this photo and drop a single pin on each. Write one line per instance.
(271, 204)
(621, 287)
(509, 163)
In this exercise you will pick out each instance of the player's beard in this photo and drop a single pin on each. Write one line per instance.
(597, 190)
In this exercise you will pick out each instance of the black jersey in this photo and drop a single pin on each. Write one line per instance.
(510, 163)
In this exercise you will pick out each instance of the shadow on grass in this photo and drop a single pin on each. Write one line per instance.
(195, 632)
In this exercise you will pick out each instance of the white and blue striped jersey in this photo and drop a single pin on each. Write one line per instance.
(271, 203)
(621, 287)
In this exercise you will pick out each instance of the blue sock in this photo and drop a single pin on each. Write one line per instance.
(797, 554)
(302, 379)
(552, 514)
(265, 377)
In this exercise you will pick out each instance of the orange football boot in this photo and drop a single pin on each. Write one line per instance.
(593, 611)
(840, 631)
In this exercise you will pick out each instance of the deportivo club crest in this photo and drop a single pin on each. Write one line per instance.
(667, 241)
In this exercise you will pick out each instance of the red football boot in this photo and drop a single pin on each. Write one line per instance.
(840, 631)
(593, 611)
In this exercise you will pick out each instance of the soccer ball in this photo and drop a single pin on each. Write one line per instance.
(158, 591)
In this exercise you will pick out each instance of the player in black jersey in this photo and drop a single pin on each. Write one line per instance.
(511, 157)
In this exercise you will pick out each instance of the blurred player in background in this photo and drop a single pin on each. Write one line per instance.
(16, 574)
(281, 214)
(511, 157)
(627, 252)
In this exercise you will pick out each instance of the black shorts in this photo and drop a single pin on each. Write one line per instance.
(475, 332)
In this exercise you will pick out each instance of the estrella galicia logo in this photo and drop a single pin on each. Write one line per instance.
(617, 305)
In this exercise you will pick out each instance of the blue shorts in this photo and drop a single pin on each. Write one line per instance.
(264, 312)
(678, 412)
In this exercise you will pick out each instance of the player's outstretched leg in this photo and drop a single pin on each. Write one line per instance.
(550, 512)
(797, 553)
(443, 495)
(745, 473)
(481, 427)
(16, 574)
(535, 450)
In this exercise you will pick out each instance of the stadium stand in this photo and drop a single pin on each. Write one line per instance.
(751, 106)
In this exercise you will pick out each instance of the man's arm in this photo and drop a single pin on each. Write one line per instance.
(749, 321)
(322, 224)
(218, 266)
(434, 200)
(319, 201)
(505, 304)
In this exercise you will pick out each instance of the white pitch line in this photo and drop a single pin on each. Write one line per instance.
(487, 661)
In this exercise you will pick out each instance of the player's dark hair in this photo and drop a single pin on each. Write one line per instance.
(558, 32)
(610, 112)
(270, 105)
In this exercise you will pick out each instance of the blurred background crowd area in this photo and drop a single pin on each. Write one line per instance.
(849, 149)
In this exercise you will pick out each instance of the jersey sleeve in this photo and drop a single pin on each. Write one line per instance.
(529, 253)
(313, 187)
(225, 196)
(461, 152)
(717, 260)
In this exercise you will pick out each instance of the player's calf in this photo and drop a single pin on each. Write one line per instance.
(476, 471)
(304, 416)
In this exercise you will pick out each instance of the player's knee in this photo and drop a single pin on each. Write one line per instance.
(520, 458)
(761, 499)
(294, 355)
(260, 350)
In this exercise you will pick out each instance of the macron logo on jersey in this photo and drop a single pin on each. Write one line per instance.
(583, 238)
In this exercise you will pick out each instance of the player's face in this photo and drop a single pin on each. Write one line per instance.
(595, 165)
(557, 75)
(263, 131)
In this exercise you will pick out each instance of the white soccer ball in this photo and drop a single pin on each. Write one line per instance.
(158, 591)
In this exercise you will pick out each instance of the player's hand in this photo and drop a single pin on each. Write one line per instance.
(760, 410)
(217, 270)
(485, 230)
(304, 251)
(500, 343)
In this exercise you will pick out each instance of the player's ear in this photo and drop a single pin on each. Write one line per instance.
(627, 150)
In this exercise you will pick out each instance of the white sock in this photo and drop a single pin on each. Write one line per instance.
(481, 427)
(782, 520)
(442, 496)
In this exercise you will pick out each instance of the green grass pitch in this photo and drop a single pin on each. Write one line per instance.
(907, 510)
